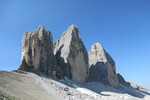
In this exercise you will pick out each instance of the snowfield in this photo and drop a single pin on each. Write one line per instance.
(30, 86)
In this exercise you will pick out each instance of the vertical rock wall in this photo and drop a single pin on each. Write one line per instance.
(37, 53)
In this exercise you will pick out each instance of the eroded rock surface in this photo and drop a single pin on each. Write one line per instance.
(71, 55)
(102, 66)
(37, 53)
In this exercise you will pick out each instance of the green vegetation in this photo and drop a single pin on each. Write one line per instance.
(3, 96)
(6, 97)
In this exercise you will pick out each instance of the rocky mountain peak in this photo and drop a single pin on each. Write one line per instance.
(37, 53)
(73, 27)
(99, 53)
(41, 27)
(96, 46)
(71, 55)
(102, 66)
(72, 32)
(68, 57)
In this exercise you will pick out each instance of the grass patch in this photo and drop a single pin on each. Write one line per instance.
(4, 96)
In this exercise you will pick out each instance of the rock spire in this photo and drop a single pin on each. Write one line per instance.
(102, 66)
(37, 53)
(71, 55)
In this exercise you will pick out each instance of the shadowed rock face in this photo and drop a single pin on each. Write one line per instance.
(71, 55)
(121, 79)
(102, 66)
(37, 53)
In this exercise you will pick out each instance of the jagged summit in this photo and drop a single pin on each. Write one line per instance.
(72, 30)
(100, 54)
(96, 46)
(41, 27)
(72, 27)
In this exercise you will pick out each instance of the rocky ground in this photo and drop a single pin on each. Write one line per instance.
(30, 86)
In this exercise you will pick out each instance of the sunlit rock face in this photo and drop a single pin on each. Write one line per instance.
(71, 55)
(37, 53)
(102, 66)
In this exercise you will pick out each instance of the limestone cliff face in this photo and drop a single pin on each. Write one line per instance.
(102, 66)
(71, 55)
(37, 53)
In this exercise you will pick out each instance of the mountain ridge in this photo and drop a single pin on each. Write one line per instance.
(76, 72)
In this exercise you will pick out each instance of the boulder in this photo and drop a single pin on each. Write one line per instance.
(37, 53)
(71, 55)
(102, 66)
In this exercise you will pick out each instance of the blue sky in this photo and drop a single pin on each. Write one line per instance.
(121, 26)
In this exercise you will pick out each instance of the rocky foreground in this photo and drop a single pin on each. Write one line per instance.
(29, 86)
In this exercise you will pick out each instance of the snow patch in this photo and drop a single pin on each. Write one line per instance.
(84, 90)
(125, 97)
